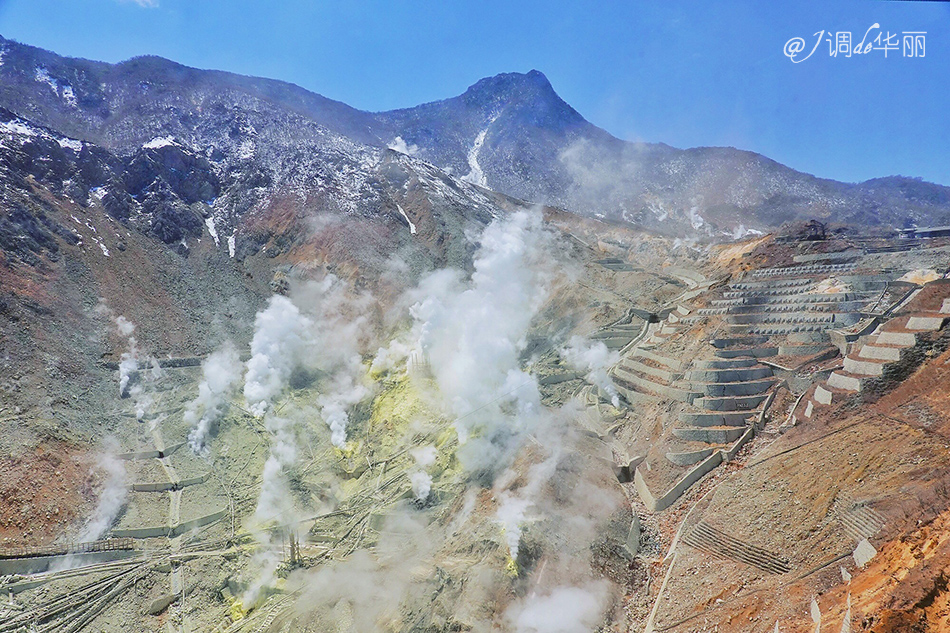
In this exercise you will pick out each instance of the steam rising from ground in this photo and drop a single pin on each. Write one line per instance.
(424, 457)
(221, 371)
(342, 331)
(133, 381)
(562, 610)
(280, 333)
(112, 498)
(473, 336)
(593, 358)
(317, 335)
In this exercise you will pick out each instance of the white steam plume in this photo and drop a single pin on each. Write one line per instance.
(133, 383)
(473, 335)
(421, 484)
(221, 372)
(421, 481)
(562, 610)
(322, 331)
(391, 357)
(344, 391)
(593, 358)
(512, 511)
(274, 505)
(112, 498)
(280, 332)
(343, 325)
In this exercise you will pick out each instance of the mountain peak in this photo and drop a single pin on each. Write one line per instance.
(532, 84)
(530, 97)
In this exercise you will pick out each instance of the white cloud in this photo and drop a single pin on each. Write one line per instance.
(145, 4)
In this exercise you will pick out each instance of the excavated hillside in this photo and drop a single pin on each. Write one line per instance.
(791, 462)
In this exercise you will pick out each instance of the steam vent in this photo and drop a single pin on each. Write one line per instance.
(273, 364)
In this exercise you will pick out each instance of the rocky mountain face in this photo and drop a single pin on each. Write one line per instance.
(182, 200)
(511, 133)
(514, 134)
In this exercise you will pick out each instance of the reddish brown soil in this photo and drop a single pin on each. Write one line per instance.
(42, 493)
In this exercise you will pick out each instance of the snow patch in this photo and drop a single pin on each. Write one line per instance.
(231, 240)
(98, 193)
(159, 141)
(69, 143)
(476, 176)
(69, 95)
(209, 222)
(17, 127)
(412, 227)
(246, 149)
(42, 75)
(65, 91)
(102, 247)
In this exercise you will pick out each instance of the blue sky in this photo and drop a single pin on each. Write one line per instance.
(685, 73)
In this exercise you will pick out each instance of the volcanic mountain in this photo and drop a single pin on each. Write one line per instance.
(510, 133)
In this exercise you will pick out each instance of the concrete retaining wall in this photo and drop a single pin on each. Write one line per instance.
(839, 380)
(39, 564)
(638, 367)
(734, 363)
(904, 339)
(851, 253)
(802, 349)
(744, 340)
(737, 403)
(715, 419)
(740, 374)
(170, 531)
(755, 352)
(792, 318)
(929, 345)
(674, 493)
(161, 486)
(670, 393)
(927, 324)
(863, 367)
(710, 434)
(154, 454)
(657, 358)
(743, 439)
(771, 284)
(553, 379)
(689, 458)
(746, 388)
(166, 363)
(635, 397)
(890, 354)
